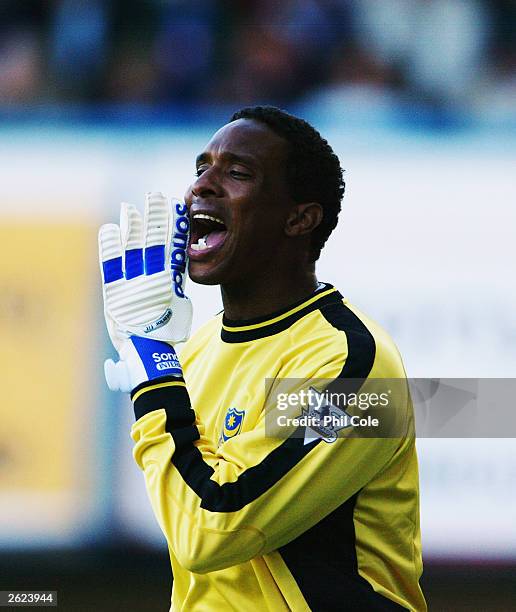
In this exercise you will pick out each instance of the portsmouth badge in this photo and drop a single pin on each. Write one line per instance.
(232, 423)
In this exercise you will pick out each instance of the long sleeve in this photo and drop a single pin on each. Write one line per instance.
(221, 507)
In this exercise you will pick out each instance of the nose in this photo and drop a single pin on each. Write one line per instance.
(206, 184)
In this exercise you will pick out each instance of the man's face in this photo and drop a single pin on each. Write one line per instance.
(238, 204)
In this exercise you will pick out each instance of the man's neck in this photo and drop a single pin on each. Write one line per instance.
(267, 294)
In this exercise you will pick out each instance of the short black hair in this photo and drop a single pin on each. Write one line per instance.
(314, 173)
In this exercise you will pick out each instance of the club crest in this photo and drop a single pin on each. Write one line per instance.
(232, 423)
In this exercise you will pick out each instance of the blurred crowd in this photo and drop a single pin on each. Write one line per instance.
(443, 53)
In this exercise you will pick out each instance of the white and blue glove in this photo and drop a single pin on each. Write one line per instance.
(143, 266)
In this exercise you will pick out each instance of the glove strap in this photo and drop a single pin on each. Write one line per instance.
(141, 360)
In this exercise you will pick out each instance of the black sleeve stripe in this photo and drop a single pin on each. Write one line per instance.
(256, 480)
(361, 346)
(156, 398)
(187, 458)
(152, 383)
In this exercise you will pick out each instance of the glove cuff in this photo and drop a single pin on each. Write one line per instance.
(141, 360)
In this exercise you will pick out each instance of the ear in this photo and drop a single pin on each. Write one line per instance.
(303, 219)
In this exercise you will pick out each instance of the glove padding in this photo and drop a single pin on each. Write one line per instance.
(143, 265)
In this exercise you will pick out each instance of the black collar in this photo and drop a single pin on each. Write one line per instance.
(261, 327)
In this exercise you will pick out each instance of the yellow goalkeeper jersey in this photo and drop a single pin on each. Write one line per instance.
(260, 522)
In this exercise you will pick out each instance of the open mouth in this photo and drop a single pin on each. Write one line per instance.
(208, 233)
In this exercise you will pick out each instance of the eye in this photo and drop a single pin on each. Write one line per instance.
(200, 169)
(239, 173)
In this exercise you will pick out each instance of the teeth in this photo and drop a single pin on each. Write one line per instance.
(208, 217)
(201, 244)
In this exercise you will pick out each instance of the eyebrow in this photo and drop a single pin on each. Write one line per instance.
(228, 156)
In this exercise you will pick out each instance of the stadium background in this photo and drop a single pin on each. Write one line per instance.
(103, 101)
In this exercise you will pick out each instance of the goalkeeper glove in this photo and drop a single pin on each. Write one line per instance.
(143, 266)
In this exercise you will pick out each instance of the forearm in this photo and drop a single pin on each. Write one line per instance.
(178, 480)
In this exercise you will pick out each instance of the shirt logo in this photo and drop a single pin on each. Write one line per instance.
(325, 420)
(232, 424)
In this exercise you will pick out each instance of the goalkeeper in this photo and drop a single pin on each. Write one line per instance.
(255, 521)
